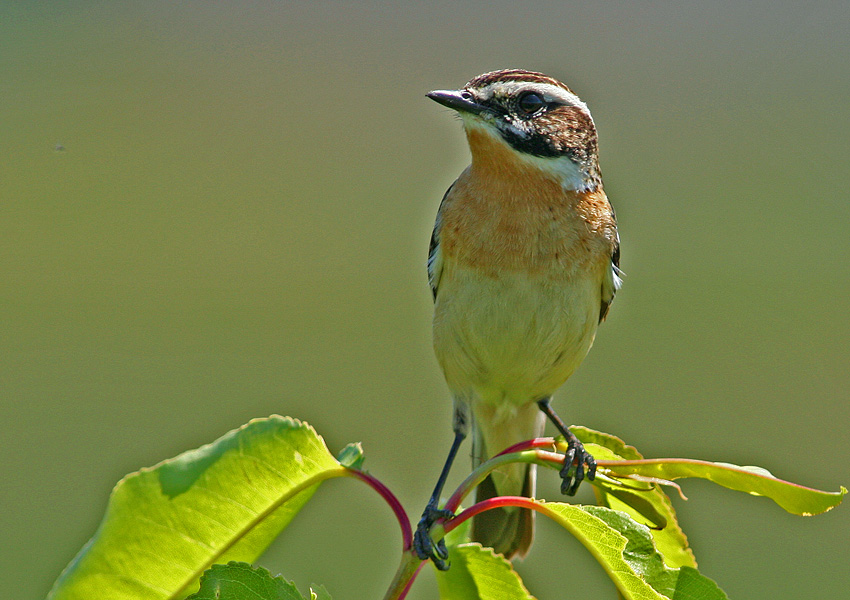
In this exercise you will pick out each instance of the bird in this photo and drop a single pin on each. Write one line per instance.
(523, 265)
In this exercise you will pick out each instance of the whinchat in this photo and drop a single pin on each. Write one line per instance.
(523, 265)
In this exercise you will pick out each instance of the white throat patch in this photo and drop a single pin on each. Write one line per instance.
(570, 174)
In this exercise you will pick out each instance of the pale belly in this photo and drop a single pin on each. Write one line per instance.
(514, 339)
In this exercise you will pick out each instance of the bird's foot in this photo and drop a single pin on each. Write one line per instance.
(576, 460)
(423, 543)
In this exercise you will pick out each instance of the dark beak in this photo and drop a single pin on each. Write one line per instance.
(459, 100)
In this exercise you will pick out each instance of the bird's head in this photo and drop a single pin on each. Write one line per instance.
(538, 117)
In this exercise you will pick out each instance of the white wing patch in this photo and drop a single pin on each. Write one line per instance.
(612, 280)
(612, 283)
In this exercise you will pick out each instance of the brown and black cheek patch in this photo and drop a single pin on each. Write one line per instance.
(560, 131)
(571, 130)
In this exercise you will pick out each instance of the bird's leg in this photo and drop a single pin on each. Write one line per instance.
(571, 475)
(423, 545)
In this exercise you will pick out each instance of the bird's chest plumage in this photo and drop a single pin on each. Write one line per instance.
(522, 263)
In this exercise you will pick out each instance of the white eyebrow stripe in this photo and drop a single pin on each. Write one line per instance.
(547, 90)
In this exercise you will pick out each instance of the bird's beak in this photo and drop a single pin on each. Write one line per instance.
(459, 100)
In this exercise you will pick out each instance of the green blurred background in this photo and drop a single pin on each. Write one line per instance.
(211, 212)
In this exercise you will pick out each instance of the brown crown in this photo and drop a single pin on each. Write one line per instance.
(514, 75)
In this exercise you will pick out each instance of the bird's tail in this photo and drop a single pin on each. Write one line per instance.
(509, 531)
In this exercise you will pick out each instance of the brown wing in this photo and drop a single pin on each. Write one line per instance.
(435, 263)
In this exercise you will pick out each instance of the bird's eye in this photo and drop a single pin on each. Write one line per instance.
(530, 103)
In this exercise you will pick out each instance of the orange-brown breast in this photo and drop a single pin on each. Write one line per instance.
(506, 214)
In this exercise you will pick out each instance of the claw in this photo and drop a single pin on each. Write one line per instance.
(575, 458)
(424, 545)
(573, 471)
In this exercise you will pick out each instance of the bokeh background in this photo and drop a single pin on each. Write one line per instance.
(216, 211)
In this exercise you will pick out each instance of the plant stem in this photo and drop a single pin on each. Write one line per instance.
(411, 564)
(534, 455)
(536, 443)
(395, 505)
(497, 502)
(406, 573)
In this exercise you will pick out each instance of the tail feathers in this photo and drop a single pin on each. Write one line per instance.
(509, 531)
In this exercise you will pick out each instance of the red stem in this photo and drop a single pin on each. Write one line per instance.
(543, 442)
(497, 502)
(389, 498)
(470, 482)
(412, 579)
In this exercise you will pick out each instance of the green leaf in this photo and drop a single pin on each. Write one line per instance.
(648, 504)
(241, 581)
(351, 456)
(794, 498)
(606, 440)
(626, 551)
(165, 525)
(478, 573)
(319, 593)
(638, 502)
